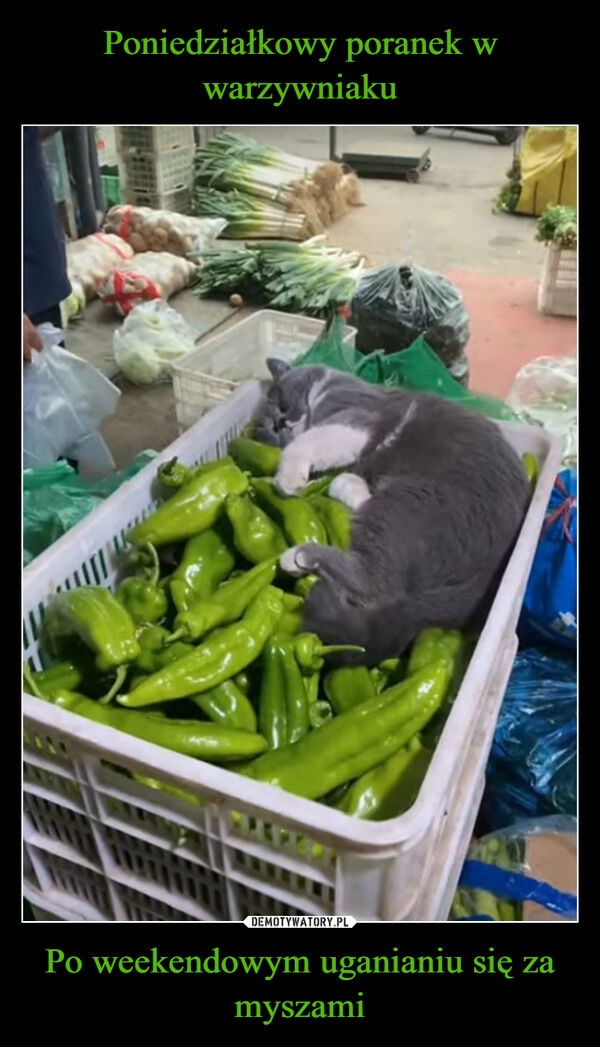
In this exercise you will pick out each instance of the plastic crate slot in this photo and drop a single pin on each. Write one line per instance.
(132, 817)
(76, 880)
(62, 825)
(253, 903)
(251, 864)
(44, 745)
(173, 872)
(66, 787)
(142, 908)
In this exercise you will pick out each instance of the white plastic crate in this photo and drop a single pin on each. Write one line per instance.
(179, 201)
(214, 370)
(205, 134)
(557, 295)
(100, 846)
(166, 173)
(157, 140)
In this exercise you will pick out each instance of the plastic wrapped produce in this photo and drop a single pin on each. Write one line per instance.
(90, 260)
(395, 305)
(150, 276)
(532, 769)
(527, 872)
(146, 229)
(544, 393)
(152, 337)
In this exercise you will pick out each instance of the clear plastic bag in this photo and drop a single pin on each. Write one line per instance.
(90, 260)
(65, 401)
(544, 393)
(151, 338)
(150, 276)
(395, 305)
(146, 229)
(532, 767)
(527, 872)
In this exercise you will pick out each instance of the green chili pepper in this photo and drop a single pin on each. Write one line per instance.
(254, 457)
(223, 656)
(92, 616)
(291, 602)
(171, 790)
(201, 619)
(391, 788)
(63, 676)
(141, 596)
(304, 585)
(312, 683)
(206, 562)
(226, 605)
(319, 713)
(336, 518)
(173, 475)
(151, 640)
(351, 744)
(290, 625)
(296, 516)
(194, 508)
(348, 686)
(433, 644)
(310, 652)
(255, 535)
(242, 682)
(455, 648)
(531, 467)
(387, 674)
(283, 709)
(206, 741)
(227, 705)
(320, 484)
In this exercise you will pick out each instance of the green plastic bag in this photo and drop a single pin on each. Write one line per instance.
(55, 498)
(417, 368)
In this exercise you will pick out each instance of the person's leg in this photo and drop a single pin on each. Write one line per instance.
(53, 316)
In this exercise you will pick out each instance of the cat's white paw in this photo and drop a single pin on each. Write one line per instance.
(292, 562)
(291, 479)
(350, 489)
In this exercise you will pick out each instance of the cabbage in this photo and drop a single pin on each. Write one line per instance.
(152, 337)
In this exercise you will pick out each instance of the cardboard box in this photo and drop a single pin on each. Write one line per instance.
(552, 859)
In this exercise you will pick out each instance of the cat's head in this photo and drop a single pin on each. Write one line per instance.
(288, 403)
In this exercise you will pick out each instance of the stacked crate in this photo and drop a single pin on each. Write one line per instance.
(157, 166)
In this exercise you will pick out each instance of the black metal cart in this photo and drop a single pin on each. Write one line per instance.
(369, 165)
(503, 135)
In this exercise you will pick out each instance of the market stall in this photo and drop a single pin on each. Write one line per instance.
(190, 753)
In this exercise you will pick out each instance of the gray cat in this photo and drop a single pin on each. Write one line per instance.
(438, 498)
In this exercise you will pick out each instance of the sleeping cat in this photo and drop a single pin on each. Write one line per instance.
(438, 498)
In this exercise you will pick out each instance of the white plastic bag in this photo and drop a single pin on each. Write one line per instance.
(90, 260)
(147, 229)
(544, 393)
(152, 337)
(65, 401)
(152, 275)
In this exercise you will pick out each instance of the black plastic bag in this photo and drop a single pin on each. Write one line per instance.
(395, 305)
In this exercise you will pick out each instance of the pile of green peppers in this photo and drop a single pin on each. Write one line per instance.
(200, 648)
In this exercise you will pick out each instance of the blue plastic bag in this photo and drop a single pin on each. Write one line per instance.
(549, 613)
(532, 768)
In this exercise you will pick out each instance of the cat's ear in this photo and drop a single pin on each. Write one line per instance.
(277, 368)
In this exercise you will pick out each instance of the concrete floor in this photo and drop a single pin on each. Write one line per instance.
(445, 223)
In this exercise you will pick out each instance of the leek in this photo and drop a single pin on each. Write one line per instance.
(310, 278)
